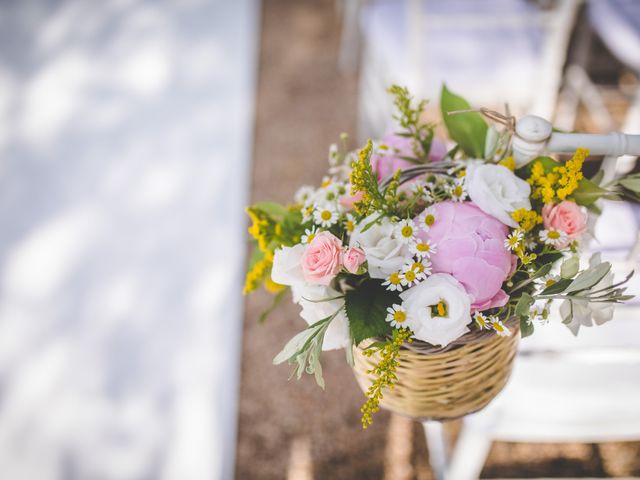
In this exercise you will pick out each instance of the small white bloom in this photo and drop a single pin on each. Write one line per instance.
(438, 309)
(423, 249)
(427, 218)
(309, 235)
(513, 240)
(397, 316)
(325, 216)
(394, 282)
(499, 327)
(422, 268)
(349, 223)
(385, 254)
(481, 321)
(539, 314)
(497, 191)
(304, 194)
(553, 237)
(320, 302)
(457, 190)
(405, 231)
(307, 212)
(548, 280)
(287, 265)
(410, 277)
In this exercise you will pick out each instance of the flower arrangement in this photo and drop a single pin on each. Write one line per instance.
(413, 239)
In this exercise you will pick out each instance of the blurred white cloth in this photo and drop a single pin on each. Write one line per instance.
(125, 136)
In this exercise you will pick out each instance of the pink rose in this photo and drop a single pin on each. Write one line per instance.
(353, 258)
(470, 247)
(387, 163)
(566, 216)
(322, 259)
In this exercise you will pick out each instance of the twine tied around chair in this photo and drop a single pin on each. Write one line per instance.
(506, 119)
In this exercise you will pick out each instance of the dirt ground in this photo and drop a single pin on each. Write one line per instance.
(293, 429)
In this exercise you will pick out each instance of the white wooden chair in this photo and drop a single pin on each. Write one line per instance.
(565, 388)
(512, 45)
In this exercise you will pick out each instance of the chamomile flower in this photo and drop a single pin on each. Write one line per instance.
(325, 216)
(427, 218)
(548, 280)
(396, 316)
(499, 327)
(405, 231)
(409, 276)
(307, 212)
(393, 282)
(553, 237)
(349, 223)
(514, 240)
(309, 235)
(540, 314)
(304, 194)
(481, 321)
(422, 268)
(423, 248)
(457, 191)
(422, 191)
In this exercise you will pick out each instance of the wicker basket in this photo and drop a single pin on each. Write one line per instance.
(446, 383)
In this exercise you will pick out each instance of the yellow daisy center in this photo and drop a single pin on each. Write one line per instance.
(325, 215)
(440, 309)
(549, 282)
(349, 226)
(457, 191)
(423, 247)
(429, 219)
(417, 266)
(410, 276)
(394, 278)
(399, 316)
(406, 231)
(310, 237)
(553, 234)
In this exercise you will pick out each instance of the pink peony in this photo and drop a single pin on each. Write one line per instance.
(353, 258)
(387, 163)
(566, 216)
(470, 247)
(322, 259)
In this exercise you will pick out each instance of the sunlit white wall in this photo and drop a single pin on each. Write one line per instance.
(125, 133)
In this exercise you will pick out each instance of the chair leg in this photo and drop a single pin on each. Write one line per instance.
(438, 449)
(470, 452)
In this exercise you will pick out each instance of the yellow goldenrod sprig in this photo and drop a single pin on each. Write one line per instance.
(262, 229)
(385, 373)
(561, 181)
(527, 219)
(364, 181)
(258, 272)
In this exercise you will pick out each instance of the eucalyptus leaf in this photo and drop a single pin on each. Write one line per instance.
(632, 182)
(589, 278)
(526, 327)
(570, 267)
(589, 192)
(557, 287)
(542, 271)
(524, 305)
(469, 130)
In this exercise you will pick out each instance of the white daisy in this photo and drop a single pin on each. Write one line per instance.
(423, 249)
(548, 280)
(457, 191)
(307, 212)
(513, 241)
(499, 327)
(325, 216)
(349, 223)
(304, 194)
(553, 237)
(405, 231)
(396, 316)
(422, 268)
(427, 218)
(409, 276)
(540, 314)
(393, 282)
(481, 321)
(309, 235)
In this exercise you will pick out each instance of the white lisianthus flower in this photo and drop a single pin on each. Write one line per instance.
(384, 252)
(287, 266)
(319, 302)
(438, 309)
(497, 191)
(580, 313)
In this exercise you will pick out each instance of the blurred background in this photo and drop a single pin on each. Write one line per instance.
(132, 135)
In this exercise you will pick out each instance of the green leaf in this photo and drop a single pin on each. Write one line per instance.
(524, 305)
(469, 130)
(631, 182)
(273, 209)
(367, 309)
(557, 287)
(548, 164)
(588, 193)
(597, 178)
(570, 267)
(542, 271)
(526, 327)
(589, 278)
